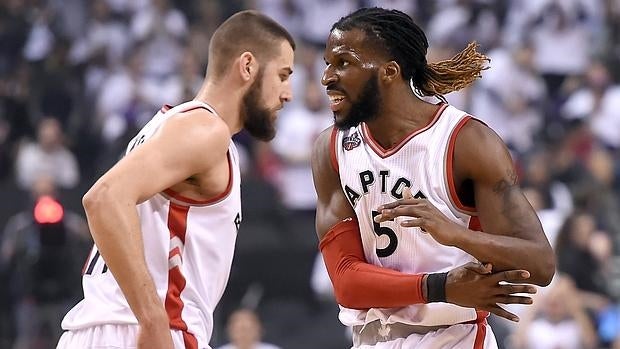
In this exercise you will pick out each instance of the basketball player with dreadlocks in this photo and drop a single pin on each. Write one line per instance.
(422, 225)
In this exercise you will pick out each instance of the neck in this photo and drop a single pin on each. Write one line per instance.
(401, 113)
(225, 99)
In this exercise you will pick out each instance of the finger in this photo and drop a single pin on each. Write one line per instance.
(499, 311)
(391, 213)
(513, 276)
(477, 268)
(512, 289)
(514, 300)
(415, 222)
(399, 202)
(407, 193)
(489, 267)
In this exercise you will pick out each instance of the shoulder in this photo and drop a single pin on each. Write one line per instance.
(474, 137)
(324, 149)
(198, 128)
(479, 150)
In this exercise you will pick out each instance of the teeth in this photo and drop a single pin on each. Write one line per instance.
(336, 99)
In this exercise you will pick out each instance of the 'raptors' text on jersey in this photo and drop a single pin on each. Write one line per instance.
(371, 176)
(188, 247)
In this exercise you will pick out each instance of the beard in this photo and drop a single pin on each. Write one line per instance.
(366, 108)
(257, 119)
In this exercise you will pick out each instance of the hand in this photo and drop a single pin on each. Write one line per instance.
(155, 335)
(472, 285)
(426, 216)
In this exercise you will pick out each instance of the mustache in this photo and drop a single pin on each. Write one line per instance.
(335, 88)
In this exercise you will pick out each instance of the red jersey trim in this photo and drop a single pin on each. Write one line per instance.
(177, 225)
(332, 149)
(474, 223)
(384, 153)
(481, 330)
(450, 169)
(171, 193)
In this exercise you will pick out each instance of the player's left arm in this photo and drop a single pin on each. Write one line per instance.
(513, 237)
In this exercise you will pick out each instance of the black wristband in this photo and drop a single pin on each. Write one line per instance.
(436, 287)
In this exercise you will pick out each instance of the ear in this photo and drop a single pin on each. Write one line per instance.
(247, 66)
(389, 72)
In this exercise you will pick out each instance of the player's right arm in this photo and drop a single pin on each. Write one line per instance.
(360, 285)
(185, 145)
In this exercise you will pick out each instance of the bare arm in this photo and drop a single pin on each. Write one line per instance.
(513, 237)
(175, 153)
(332, 205)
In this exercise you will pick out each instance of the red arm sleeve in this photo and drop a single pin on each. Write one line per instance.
(359, 285)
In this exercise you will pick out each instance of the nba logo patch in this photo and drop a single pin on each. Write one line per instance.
(351, 142)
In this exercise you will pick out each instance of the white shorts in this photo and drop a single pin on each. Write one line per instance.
(111, 337)
(460, 336)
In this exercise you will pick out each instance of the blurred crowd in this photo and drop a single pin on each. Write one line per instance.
(79, 78)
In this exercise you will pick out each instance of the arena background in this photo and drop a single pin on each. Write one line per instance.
(78, 78)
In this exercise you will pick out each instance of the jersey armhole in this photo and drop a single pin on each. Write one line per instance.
(450, 169)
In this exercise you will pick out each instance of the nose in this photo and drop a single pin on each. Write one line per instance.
(287, 95)
(328, 77)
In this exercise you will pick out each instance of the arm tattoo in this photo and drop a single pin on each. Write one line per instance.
(518, 216)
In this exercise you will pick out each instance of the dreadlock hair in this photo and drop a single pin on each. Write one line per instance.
(407, 44)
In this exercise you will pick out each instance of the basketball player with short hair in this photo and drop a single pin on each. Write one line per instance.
(419, 214)
(165, 217)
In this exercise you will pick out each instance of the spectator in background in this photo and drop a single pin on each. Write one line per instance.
(47, 156)
(15, 121)
(597, 104)
(557, 320)
(581, 252)
(245, 331)
(41, 251)
(318, 17)
(551, 198)
(562, 43)
(512, 107)
(190, 77)
(15, 25)
(120, 103)
(286, 12)
(459, 22)
(161, 28)
(103, 35)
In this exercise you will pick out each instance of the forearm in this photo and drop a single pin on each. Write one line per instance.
(115, 228)
(508, 253)
(360, 285)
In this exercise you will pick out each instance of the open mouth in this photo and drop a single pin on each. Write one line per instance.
(336, 101)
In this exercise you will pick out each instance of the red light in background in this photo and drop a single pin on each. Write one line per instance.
(48, 211)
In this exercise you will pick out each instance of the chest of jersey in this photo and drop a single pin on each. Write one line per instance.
(371, 176)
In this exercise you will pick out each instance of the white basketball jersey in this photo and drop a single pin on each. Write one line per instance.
(188, 246)
(371, 176)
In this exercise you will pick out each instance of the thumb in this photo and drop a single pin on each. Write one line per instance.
(407, 193)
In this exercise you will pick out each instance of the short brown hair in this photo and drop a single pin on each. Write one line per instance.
(249, 31)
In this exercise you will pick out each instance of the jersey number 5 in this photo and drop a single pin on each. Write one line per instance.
(379, 230)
